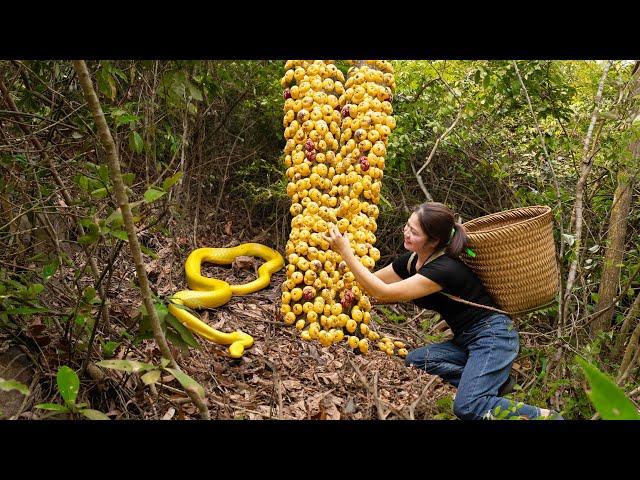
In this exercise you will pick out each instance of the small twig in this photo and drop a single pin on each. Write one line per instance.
(413, 406)
(440, 138)
(370, 391)
(381, 413)
(27, 398)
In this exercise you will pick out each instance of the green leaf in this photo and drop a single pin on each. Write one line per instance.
(126, 118)
(8, 385)
(186, 381)
(49, 269)
(172, 180)
(151, 377)
(148, 251)
(99, 192)
(93, 414)
(609, 400)
(103, 173)
(153, 194)
(128, 178)
(108, 348)
(120, 234)
(164, 362)
(84, 183)
(53, 406)
(106, 83)
(36, 289)
(89, 238)
(185, 333)
(194, 92)
(88, 294)
(115, 219)
(136, 143)
(130, 366)
(68, 384)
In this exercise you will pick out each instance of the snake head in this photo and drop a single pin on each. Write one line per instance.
(243, 340)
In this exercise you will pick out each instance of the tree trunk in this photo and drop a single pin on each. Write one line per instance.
(617, 228)
(123, 202)
(630, 356)
(632, 314)
(582, 181)
(615, 249)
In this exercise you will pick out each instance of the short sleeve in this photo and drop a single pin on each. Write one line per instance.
(400, 265)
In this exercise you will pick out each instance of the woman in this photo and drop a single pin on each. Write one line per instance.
(485, 344)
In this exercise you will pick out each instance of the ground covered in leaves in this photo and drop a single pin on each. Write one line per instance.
(280, 377)
(284, 377)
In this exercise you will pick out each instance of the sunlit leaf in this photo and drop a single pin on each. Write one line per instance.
(7, 385)
(186, 381)
(52, 406)
(169, 182)
(609, 400)
(153, 194)
(151, 377)
(68, 384)
(136, 143)
(93, 414)
(130, 366)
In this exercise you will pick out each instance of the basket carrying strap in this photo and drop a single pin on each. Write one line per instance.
(452, 297)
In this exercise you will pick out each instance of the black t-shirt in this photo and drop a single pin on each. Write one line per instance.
(456, 279)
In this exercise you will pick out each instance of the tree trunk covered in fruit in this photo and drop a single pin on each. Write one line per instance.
(123, 203)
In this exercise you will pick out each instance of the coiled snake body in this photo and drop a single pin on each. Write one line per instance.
(209, 292)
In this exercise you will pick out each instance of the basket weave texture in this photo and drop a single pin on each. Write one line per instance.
(515, 257)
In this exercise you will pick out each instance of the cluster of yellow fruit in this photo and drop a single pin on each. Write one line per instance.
(336, 136)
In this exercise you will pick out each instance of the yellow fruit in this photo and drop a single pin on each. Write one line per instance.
(402, 352)
(363, 345)
(364, 329)
(351, 325)
(296, 293)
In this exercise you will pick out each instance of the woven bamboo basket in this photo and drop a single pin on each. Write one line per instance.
(515, 257)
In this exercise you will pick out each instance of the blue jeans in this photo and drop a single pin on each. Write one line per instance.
(477, 362)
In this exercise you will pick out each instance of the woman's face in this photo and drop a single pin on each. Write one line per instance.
(414, 237)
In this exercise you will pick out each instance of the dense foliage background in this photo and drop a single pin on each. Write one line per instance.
(200, 144)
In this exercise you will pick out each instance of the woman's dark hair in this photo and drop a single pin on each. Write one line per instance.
(438, 222)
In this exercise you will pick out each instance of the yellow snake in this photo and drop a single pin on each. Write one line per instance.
(209, 292)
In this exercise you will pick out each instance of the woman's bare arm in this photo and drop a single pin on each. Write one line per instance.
(387, 274)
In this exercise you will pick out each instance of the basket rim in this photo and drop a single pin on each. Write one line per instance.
(547, 210)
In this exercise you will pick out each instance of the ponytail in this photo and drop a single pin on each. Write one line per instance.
(458, 240)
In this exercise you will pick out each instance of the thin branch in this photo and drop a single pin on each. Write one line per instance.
(555, 181)
(585, 169)
(123, 202)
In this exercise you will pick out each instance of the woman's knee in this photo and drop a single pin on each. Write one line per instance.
(416, 358)
(468, 408)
